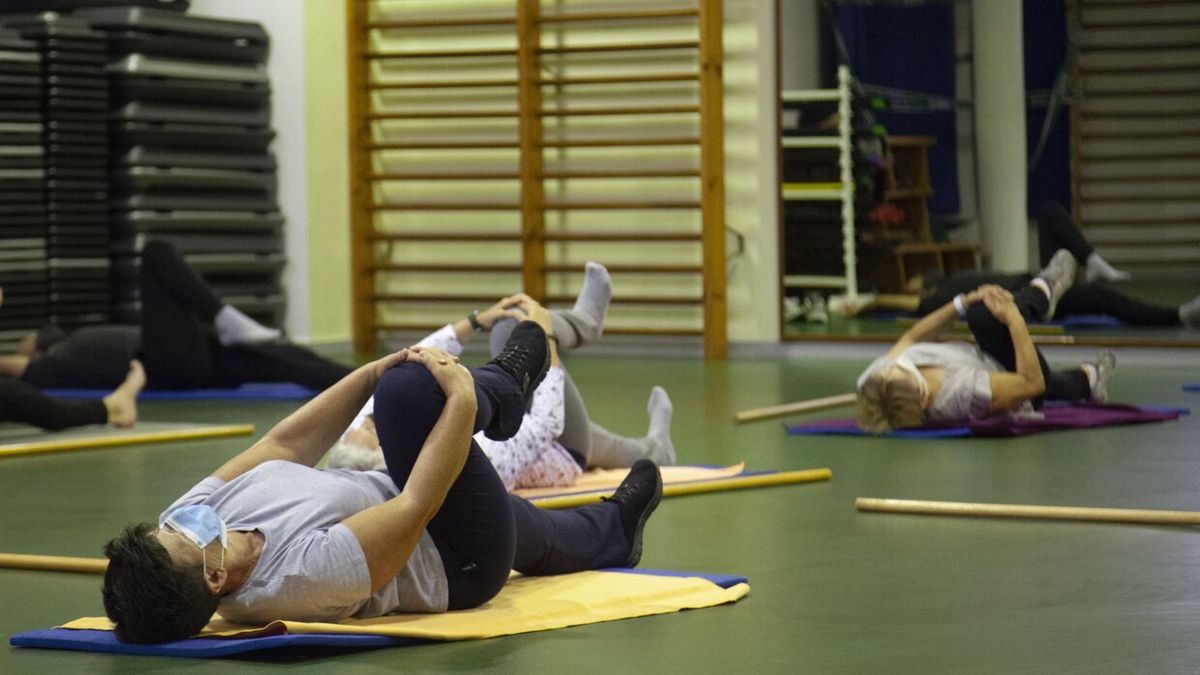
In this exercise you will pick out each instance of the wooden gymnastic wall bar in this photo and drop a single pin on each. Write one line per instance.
(542, 65)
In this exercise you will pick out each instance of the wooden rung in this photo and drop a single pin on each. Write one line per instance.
(442, 84)
(682, 12)
(589, 206)
(1147, 178)
(442, 54)
(1150, 199)
(433, 297)
(441, 114)
(441, 267)
(455, 22)
(629, 47)
(638, 300)
(620, 142)
(632, 110)
(442, 236)
(1140, 93)
(622, 173)
(1137, 135)
(447, 145)
(648, 78)
(1150, 46)
(415, 175)
(448, 206)
(1181, 221)
(631, 269)
(1132, 69)
(625, 237)
(655, 331)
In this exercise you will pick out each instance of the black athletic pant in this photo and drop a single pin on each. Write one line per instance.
(993, 338)
(481, 531)
(1057, 230)
(22, 402)
(1082, 298)
(179, 345)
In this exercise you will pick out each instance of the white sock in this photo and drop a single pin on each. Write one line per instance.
(1098, 268)
(1040, 284)
(585, 321)
(235, 328)
(1189, 313)
(660, 410)
(1089, 369)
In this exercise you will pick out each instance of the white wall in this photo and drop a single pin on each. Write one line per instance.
(284, 22)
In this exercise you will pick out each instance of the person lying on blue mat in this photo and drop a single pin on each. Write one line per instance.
(23, 403)
(557, 440)
(188, 339)
(268, 537)
(921, 380)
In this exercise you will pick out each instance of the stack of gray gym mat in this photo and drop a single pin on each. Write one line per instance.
(22, 197)
(191, 159)
(74, 189)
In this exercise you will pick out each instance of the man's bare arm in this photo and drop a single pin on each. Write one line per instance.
(305, 435)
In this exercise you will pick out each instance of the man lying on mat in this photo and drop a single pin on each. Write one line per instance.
(23, 403)
(188, 339)
(919, 380)
(557, 440)
(268, 537)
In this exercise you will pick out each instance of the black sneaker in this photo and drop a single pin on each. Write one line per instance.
(637, 496)
(525, 356)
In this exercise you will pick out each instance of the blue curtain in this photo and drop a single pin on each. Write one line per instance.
(911, 47)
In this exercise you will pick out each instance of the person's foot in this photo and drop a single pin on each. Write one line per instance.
(1057, 275)
(526, 357)
(1189, 313)
(586, 318)
(637, 496)
(1105, 366)
(659, 434)
(235, 328)
(121, 404)
(1098, 269)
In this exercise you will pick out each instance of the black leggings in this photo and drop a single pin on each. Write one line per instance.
(1057, 230)
(993, 338)
(180, 348)
(1082, 298)
(481, 531)
(22, 402)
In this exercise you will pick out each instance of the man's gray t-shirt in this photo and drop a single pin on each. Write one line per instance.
(312, 568)
(966, 391)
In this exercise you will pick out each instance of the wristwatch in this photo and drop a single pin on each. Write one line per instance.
(473, 317)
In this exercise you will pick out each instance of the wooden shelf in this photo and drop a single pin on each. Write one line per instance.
(630, 47)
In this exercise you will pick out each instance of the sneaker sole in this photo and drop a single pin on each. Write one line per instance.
(635, 547)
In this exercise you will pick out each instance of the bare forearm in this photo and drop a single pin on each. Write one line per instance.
(1028, 366)
(932, 324)
(311, 430)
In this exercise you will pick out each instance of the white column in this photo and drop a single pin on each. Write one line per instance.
(1000, 133)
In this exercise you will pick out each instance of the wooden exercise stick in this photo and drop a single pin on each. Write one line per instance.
(53, 563)
(1105, 515)
(756, 414)
(698, 487)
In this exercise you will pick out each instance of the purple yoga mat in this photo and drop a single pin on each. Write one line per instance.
(1055, 418)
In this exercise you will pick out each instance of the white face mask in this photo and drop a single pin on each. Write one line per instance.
(908, 366)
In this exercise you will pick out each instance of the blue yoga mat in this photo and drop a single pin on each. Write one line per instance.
(106, 641)
(1191, 387)
(1088, 321)
(255, 391)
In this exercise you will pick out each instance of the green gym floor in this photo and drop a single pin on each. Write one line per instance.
(832, 590)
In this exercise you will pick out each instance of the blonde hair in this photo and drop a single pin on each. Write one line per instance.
(887, 402)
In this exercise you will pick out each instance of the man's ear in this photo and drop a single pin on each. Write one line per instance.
(215, 581)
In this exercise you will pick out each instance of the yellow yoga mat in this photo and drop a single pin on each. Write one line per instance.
(22, 440)
(677, 481)
(525, 605)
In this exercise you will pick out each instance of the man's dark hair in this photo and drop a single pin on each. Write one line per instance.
(148, 596)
